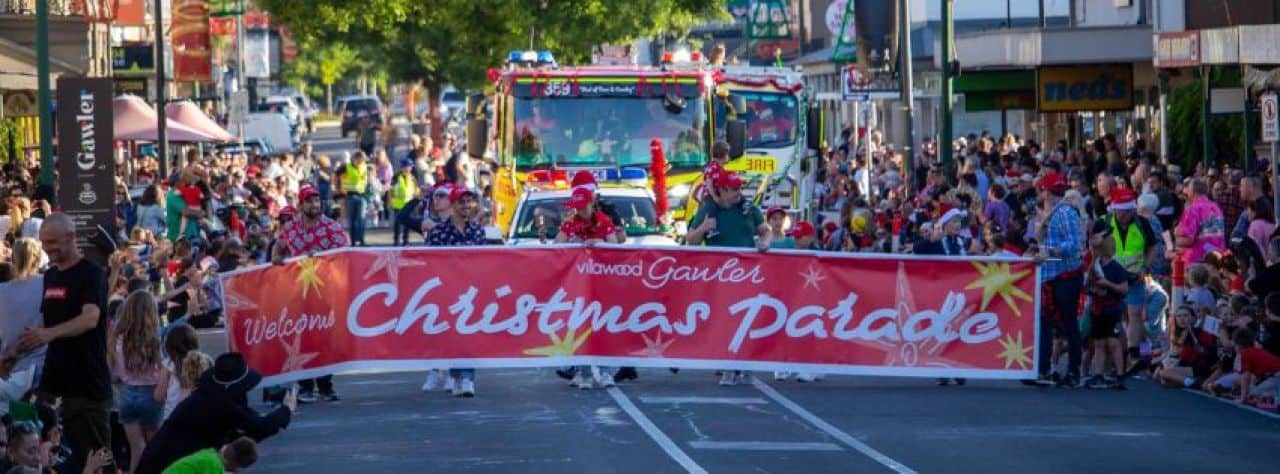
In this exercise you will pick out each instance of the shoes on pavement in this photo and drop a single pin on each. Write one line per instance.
(602, 378)
(804, 377)
(780, 376)
(567, 374)
(450, 384)
(1070, 381)
(943, 382)
(581, 381)
(435, 381)
(1095, 381)
(626, 373)
(330, 397)
(306, 397)
(728, 379)
(466, 389)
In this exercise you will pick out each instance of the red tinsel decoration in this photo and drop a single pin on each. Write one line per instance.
(771, 82)
(658, 169)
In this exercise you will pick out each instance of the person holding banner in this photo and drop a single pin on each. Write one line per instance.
(460, 230)
(588, 225)
(730, 221)
(314, 232)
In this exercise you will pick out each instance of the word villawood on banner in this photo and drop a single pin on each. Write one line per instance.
(410, 309)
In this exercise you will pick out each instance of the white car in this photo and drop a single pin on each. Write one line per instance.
(539, 214)
(273, 129)
(285, 105)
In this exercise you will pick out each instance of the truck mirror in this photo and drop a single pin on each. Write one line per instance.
(735, 132)
(814, 128)
(475, 105)
(477, 136)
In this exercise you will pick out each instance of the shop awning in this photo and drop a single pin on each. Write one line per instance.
(186, 113)
(135, 120)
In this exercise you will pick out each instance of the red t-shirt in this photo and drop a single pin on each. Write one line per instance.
(709, 174)
(599, 227)
(1187, 353)
(191, 195)
(1259, 362)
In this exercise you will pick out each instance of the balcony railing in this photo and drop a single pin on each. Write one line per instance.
(97, 9)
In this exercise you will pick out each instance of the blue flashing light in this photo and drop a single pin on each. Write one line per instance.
(514, 56)
(626, 174)
(545, 57)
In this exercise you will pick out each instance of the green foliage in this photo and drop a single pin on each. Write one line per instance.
(1186, 135)
(455, 41)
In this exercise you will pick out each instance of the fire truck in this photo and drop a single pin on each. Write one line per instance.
(782, 132)
(545, 123)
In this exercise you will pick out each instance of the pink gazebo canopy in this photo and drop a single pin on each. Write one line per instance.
(135, 120)
(186, 113)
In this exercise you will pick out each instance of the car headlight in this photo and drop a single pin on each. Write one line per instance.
(677, 194)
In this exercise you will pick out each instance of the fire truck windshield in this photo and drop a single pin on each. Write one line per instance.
(607, 131)
(771, 119)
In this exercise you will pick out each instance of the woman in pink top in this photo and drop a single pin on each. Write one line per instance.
(1202, 229)
(1262, 222)
(135, 362)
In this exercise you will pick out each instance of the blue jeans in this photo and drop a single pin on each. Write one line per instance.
(355, 219)
(463, 374)
(1066, 301)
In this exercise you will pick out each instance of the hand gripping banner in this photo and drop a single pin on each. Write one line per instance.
(420, 308)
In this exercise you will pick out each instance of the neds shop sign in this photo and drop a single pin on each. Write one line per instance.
(1084, 88)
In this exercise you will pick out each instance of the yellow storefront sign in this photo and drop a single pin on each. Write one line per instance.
(753, 164)
(1084, 88)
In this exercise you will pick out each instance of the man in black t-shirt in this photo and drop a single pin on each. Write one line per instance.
(75, 367)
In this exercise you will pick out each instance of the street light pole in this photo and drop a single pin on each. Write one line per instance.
(240, 64)
(162, 121)
(908, 91)
(944, 138)
(44, 94)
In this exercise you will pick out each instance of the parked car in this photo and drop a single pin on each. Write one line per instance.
(272, 128)
(353, 108)
(286, 105)
(452, 102)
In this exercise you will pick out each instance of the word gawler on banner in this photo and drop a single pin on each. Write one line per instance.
(410, 309)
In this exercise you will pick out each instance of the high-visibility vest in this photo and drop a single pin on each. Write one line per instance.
(402, 190)
(355, 179)
(1131, 249)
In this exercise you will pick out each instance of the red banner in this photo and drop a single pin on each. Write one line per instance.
(131, 13)
(410, 309)
(192, 58)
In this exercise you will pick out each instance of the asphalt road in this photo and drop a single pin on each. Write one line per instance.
(530, 421)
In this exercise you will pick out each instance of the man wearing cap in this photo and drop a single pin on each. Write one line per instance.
(215, 413)
(313, 232)
(460, 230)
(403, 189)
(1061, 245)
(802, 236)
(1135, 250)
(588, 224)
(777, 219)
(354, 177)
(730, 220)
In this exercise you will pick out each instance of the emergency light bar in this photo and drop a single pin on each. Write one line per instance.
(531, 58)
(626, 174)
(552, 178)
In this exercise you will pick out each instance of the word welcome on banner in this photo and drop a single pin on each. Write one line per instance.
(410, 309)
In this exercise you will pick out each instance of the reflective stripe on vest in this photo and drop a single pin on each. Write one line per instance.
(1131, 250)
(355, 179)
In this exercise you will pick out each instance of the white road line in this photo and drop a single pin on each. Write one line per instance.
(764, 446)
(1234, 404)
(664, 442)
(830, 429)
(704, 400)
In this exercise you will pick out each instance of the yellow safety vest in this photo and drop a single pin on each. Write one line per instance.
(1131, 251)
(402, 191)
(355, 179)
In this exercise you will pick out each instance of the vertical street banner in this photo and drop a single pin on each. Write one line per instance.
(410, 309)
(189, 30)
(131, 13)
(86, 167)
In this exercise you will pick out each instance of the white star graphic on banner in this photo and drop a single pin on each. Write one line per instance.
(391, 261)
(653, 347)
(812, 276)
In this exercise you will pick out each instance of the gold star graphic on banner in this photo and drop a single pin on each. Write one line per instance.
(1014, 352)
(655, 347)
(998, 279)
(561, 347)
(308, 275)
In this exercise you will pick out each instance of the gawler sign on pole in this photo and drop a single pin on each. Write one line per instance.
(86, 169)
(412, 309)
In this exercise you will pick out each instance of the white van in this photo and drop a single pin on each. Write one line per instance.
(273, 128)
